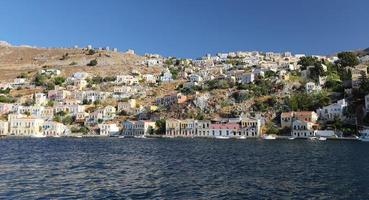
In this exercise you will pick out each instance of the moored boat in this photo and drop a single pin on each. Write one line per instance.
(221, 137)
(269, 137)
(322, 138)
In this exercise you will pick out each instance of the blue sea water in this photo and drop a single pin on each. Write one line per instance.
(113, 168)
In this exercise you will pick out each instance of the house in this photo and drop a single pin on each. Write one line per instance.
(287, 118)
(228, 130)
(4, 128)
(80, 84)
(91, 95)
(250, 127)
(126, 79)
(81, 117)
(311, 87)
(81, 75)
(171, 99)
(6, 108)
(40, 99)
(356, 73)
(128, 106)
(149, 78)
(55, 129)
(19, 82)
(26, 126)
(332, 111)
(195, 78)
(49, 72)
(187, 128)
(246, 78)
(107, 129)
(202, 128)
(302, 129)
(166, 76)
(138, 128)
(5, 86)
(172, 127)
(100, 115)
(70, 109)
(325, 133)
(58, 95)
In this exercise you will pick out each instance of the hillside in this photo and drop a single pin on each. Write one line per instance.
(15, 60)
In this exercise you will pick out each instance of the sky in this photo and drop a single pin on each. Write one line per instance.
(189, 28)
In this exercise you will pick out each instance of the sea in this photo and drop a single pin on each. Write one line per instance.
(116, 168)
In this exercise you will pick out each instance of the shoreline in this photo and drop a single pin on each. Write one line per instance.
(178, 137)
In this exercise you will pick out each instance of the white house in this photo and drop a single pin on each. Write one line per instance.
(137, 128)
(334, 110)
(107, 129)
(149, 78)
(302, 129)
(55, 129)
(40, 99)
(126, 79)
(81, 75)
(167, 76)
(246, 78)
(195, 78)
(311, 87)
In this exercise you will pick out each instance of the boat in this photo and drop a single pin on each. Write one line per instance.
(122, 136)
(312, 138)
(292, 138)
(242, 137)
(322, 138)
(39, 136)
(221, 137)
(79, 136)
(269, 137)
(140, 136)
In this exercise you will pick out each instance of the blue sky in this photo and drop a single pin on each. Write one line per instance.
(189, 28)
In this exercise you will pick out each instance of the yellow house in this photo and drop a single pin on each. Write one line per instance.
(26, 126)
(153, 108)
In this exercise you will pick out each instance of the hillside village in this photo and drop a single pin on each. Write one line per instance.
(55, 92)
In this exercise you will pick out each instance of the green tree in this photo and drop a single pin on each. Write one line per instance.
(59, 80)
(346, 59)
(39, 80)
(92, 63)
(68, 120)
(307, 61)
(160, 127)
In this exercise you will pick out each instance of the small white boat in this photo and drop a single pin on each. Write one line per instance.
(122, 136)
(269, 137)
(322, 138)
(39, 136)
(79, 136)
(242, 137)
(221, 137)
(312, 138)
(140, 136)
(291, 138)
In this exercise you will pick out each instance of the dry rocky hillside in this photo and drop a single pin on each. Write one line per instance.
(24, 59)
